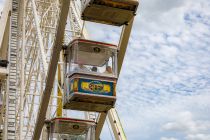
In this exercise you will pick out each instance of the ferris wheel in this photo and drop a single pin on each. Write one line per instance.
(49, 66)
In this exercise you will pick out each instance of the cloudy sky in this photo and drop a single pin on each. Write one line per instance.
(164, 86)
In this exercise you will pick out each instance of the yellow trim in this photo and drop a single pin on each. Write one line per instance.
(85, 86)
(107, 88)
(75, 84)
(59, 103)
(59, 111)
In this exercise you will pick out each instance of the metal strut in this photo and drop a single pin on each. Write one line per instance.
(12, 90)
(52, 69)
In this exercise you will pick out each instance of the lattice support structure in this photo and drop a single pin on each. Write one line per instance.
(10, 131)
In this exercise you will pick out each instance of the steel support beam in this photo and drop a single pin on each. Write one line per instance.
(22, 86)
(124, 38)
(122, 47)
(100, 123)
(116, 125)
(52, 69)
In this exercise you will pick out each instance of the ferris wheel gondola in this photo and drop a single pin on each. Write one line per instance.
(113, 12)
(70, 129)
(91, 75)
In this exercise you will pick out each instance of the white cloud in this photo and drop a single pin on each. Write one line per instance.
(198, 137)
(165, 138)
(147, 119)
(184, 123)
(160, 15)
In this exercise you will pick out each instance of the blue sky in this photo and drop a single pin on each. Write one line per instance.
(164, 86)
